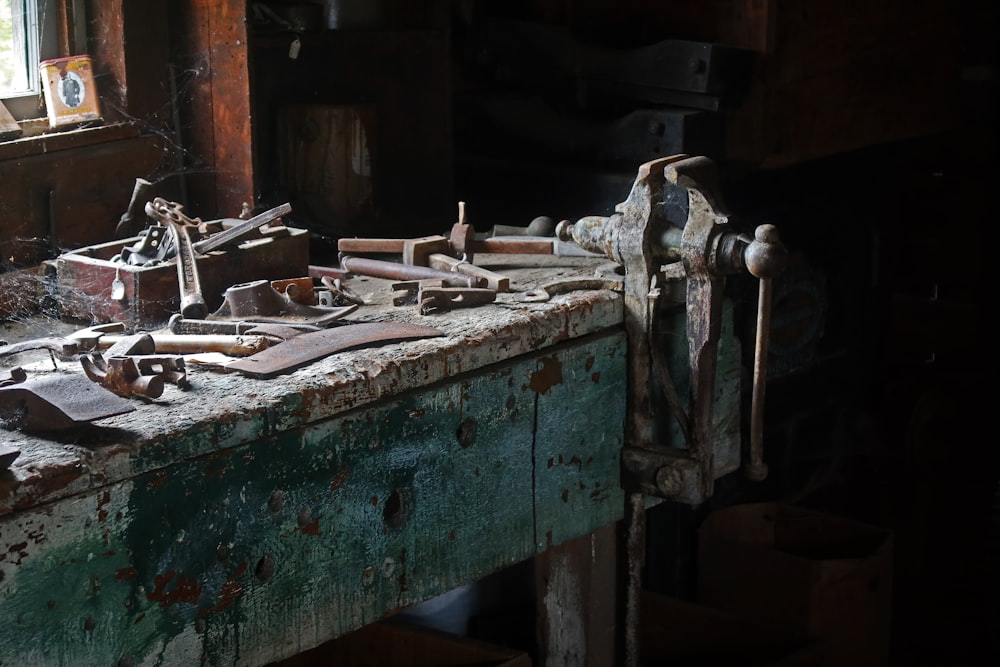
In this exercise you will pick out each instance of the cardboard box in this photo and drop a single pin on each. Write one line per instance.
(397, 644)
(808, 572)
(81, 279)
(676, 633)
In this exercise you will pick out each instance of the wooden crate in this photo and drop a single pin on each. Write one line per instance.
(81, 279)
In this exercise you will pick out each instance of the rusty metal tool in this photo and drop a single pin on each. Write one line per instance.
(454, 253)
(491, 279)
(406, 291)
(341, 294)
(259, 301)
(103, 336)
(14, 375)
(449, 298)
(461, 242)
(121, 376)
(241, 230)
(282, 331)
(58, 402)
(127, 223)
(192, 302)
(543, 225)
(378, 268)
(305, 349)
(556, 287)
(62, 347)
(432, 295)
(170, 214)
(142, 374)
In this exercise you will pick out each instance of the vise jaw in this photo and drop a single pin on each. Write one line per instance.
(676, 245)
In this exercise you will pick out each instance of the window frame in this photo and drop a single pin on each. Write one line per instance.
(42, 18)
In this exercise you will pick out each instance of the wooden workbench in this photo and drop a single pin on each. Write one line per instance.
(242, 521)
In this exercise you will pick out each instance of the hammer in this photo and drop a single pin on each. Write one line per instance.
(103, 336)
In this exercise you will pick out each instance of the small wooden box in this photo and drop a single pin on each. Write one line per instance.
(69, 90)
(80, 280)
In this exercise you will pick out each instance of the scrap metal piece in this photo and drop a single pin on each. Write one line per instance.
(304, 349)
(395, 271)
(192, 302)
(433, 299)
(152, 247)
(258, 301)
(64, 348)
(341, 294)
(556, 287)
(57, 402)
(407, 291)
(240, 231)
(170, 367)
(15, 375)
(277, 330)
(121, 376)
(7, 455)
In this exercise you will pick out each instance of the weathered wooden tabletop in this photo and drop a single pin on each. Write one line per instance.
(242, 520)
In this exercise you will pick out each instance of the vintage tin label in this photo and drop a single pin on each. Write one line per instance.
(70, 93)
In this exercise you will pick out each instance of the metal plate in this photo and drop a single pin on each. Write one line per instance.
(309, 347)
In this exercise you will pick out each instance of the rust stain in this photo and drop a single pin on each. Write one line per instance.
(311, 528)
(102, 514)
(139, 618)
(217, 464)
(589, 363)
(126, 574)
(186, 590)
(338, 480)
(549, 375)
(158, 481)
(230, 590)
(375, 501)
(19, 549)
(596, 377)
(59, 476)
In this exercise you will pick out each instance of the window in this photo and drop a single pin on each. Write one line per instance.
(28, 35)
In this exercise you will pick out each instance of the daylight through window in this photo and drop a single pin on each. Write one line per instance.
(19, 53)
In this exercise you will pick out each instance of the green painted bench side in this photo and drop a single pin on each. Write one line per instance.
(260, 551)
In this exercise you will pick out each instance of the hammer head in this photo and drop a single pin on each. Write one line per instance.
(87, 338)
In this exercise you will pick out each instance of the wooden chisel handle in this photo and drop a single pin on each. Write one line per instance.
(236, 345)
(395, 271)
(492, 280)
(387, 246)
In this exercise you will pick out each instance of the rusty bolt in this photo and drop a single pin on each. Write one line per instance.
(466, 432)
(669, 482)
(276, 501)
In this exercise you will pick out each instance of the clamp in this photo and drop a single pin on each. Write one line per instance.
(672, 230)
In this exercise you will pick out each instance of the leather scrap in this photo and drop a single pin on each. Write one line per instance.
(308, 347)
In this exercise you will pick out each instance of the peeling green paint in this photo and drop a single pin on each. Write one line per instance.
(255, 552)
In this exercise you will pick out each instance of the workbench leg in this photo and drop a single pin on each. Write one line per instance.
(579, 589)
